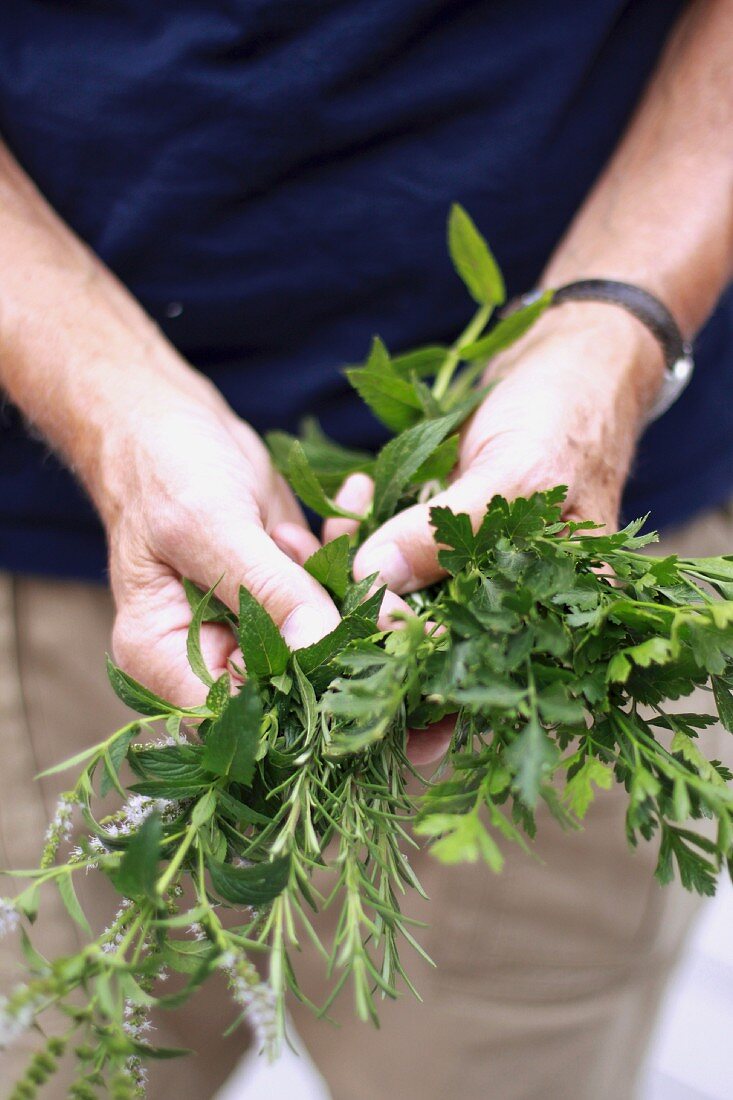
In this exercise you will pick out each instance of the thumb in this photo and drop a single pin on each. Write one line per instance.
(404, 552)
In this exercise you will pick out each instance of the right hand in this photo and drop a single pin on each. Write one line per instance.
(188, 490)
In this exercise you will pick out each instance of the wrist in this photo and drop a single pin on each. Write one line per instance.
(161, 407)
(607, 352)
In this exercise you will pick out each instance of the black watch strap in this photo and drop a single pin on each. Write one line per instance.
(651, 312)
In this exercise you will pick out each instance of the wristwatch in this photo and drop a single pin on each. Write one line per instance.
(678, 361)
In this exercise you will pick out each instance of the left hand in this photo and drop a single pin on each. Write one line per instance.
(567, 410)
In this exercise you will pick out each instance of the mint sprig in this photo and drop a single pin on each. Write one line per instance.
(557, 671)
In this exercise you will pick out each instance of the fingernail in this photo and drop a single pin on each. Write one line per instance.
(391, 564)
(304, 626)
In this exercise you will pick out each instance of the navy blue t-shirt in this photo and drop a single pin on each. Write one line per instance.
(271, 178)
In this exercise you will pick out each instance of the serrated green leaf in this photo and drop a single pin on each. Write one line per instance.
(532, 756)
(473, 260)
(455, 532)
(219, 693)
(193, 639)
(402, 457)
(264, 649)
(136, 875)
(580, 789)
(392, 398)
(175, 763)
(233, 739)
(355, 625)
(305, 484)
(135, 696)
(724, 702)
(330, 566)
(420, 363)
(441, 462)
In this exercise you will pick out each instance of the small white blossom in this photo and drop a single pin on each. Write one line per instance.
(256, 997)
(137, 809)
(9, 917)
(60, 828)
(113, 935)
(15, 1018)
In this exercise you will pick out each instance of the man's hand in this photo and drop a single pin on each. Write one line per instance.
(191, 492)
(567, 408)
(569, 403)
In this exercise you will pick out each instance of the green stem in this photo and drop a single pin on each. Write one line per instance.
(448, 367)
(165, 880)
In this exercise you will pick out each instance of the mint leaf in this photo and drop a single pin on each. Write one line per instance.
(392, 398)
(193, 639)
(330, 566)
(420, 363)
(216, 611)
(263, 647)
(358, 624)
(136, 875)
(440, 463)
(402, 457)
(134, 695)
(330, 462)
(306, 485)
(233, 740)
(473, 260)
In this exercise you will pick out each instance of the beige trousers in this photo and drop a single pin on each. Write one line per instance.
(548, 976)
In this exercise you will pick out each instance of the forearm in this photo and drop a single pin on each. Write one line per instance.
(77, 354)
(661, 214)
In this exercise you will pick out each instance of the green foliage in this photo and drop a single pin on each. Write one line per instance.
(331, 567)
(233, 739)
(263, 646)
(557, 672)
(392, 398)
(473, 260)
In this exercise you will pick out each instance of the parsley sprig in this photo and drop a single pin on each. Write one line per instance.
(555, 645)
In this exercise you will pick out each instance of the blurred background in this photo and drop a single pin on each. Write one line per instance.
(690, 1056)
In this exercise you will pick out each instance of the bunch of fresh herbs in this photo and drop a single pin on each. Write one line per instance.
(553, 644)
